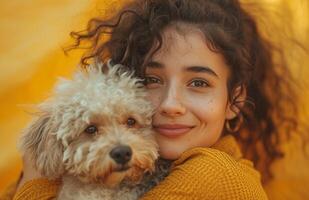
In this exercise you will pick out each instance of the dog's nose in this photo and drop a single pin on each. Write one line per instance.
(121, 154)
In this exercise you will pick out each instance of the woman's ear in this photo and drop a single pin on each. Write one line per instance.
(43, 147)
(239, 95)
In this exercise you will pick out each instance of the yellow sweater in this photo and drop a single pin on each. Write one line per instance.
(213, 173)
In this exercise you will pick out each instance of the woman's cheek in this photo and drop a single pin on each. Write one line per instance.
(154, 96)
(207, 107)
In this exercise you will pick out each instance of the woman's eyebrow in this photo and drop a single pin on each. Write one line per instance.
(195, 69)
(203, 69)
(154, 64)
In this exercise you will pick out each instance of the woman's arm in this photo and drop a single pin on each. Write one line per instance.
(33, 186)
(200, 173)
(29, 172)
(38, 189)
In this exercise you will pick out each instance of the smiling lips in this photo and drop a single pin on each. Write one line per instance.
(172, 130)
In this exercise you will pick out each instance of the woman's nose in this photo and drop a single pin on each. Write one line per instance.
(171, 104)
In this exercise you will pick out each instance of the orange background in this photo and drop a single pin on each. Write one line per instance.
(32, 34)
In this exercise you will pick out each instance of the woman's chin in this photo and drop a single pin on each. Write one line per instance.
(171, 148)
(170, 153)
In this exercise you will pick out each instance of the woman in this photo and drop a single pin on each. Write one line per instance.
(212, 78)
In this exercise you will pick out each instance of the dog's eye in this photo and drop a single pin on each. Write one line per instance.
(92, 129)
(131, 122)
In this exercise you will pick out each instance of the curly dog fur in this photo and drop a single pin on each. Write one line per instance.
(95, 132)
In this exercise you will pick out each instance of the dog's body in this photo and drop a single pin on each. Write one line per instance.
(96, 134)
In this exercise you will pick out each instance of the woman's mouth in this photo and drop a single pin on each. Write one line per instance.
(172, 130)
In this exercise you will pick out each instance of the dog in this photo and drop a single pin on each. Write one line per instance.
(95, 133)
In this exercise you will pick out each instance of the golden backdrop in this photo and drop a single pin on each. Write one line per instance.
(32, 34)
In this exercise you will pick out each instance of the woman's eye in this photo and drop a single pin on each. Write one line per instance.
(199, 83)
(131, 122)
(92, 129)
(151, 80)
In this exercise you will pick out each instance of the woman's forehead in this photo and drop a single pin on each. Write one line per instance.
(179, 33)
(186, 50)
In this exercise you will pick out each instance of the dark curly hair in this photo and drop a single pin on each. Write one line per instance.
(270, 111)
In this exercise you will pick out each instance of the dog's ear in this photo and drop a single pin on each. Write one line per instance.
(39, 142)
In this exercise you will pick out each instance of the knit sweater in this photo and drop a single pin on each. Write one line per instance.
(218, 172)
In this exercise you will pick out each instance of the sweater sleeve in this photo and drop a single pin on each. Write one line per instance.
(204, 173)
(38, 189)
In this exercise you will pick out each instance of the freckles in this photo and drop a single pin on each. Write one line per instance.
(158, 98)
(156, 101)
(210, 103)
(154, 98)
(209, 109)
(204, 105)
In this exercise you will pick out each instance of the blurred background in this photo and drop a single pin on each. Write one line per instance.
(33, 33)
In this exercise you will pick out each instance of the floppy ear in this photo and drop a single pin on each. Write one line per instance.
(39, 142)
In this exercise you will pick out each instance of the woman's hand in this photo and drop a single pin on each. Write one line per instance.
(29, 171)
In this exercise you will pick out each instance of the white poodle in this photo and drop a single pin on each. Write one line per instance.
(95, 133)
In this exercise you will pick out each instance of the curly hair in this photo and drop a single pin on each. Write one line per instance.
(269, 111)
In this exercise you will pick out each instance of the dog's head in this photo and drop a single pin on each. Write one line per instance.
(96, 127)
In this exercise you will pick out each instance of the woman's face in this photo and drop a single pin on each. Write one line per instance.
(187, 83)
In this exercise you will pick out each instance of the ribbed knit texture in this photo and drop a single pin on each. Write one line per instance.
(200, 173)
(38, 189)
(210, 173)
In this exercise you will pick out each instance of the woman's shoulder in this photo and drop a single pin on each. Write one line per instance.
(221, 169)
(210, 173)
(211, 162)
(223, 157)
